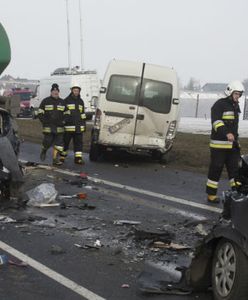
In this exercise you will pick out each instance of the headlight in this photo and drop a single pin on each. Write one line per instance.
(171, 130)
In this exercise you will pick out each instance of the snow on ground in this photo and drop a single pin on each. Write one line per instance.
(198, 104)
(203, 126)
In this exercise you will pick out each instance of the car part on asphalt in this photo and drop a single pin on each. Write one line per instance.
(45, 193)
(126, 222)
(141, 235)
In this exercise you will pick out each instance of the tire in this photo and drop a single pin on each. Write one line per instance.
(156, 155)
(165, 158)
(229, 272)
(94, 152)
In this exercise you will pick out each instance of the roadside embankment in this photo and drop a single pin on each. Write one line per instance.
(190, 151)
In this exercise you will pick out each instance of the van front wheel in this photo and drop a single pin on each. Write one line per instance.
(94, 152)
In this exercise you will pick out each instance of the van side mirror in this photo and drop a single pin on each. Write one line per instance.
(103, 90)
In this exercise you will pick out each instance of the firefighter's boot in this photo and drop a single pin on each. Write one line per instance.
(56, 160)
(213, 199)
(63, 156)
(79, 161)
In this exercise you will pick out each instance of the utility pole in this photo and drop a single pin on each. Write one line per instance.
(197, 106)
(68, 36)
(81, 36)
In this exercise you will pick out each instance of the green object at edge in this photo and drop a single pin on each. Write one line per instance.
(5, 52)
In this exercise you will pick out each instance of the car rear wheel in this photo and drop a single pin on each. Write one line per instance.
(165, 158)
(229, 272)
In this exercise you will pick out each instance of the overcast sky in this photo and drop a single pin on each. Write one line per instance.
(205, 39)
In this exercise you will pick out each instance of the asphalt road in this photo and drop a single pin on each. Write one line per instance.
(155, 202)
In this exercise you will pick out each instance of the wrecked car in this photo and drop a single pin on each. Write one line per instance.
(220, 261)
(137, 110)
(11, 176)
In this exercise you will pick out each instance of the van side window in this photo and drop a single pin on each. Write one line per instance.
(123, 89)
(157, 96)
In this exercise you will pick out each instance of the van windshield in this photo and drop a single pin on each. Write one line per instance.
(123, 89)
(156, 96)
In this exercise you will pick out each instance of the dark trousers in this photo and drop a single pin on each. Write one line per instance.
(77, 143)
(51, 139)
(219, 159)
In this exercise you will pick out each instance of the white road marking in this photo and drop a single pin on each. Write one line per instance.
(73, 286)
(141, 191)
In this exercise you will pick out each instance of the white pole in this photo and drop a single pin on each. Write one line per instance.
(81, 36)
(68, 36)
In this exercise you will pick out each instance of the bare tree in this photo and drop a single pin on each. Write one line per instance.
(193, 85)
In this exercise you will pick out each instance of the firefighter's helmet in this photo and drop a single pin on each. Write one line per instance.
(75, 85)
(234, 86)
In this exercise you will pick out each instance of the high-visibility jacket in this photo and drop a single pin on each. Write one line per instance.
(51, 115)
(225, 119)
(74, 114)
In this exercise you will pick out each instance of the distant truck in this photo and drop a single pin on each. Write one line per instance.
(25, 96)
(88, 81)
(137, 110)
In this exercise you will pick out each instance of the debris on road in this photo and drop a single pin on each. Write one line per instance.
(201, 230)
(45, 193)
(126, 222)
(3, 259)
(85, 206)
(49, 205)
(155, 283)
(141, 235)
(96, 245)
(5, 219)
(80, 196)
(125, 286)
(17, 263)
(49, 223)
(83, 175)
(172, 246)
(31, 164)
(56, 250)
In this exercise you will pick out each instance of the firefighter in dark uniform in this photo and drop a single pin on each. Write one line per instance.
(51, 115)
(74, 124)
(224, 144)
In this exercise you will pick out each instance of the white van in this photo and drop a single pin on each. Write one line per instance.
(137, 109)
(88, 81)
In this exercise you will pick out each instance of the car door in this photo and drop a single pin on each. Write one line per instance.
(119, 111)
(153, 115)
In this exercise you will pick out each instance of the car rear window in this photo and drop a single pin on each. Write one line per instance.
(156, 96)
(123, 89)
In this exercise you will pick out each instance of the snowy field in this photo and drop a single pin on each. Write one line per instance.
(193, 104)
(203, 126)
